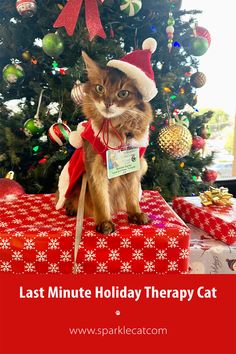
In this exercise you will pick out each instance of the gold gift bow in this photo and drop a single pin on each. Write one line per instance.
(216, 196)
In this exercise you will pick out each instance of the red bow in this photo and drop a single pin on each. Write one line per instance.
(70, 13)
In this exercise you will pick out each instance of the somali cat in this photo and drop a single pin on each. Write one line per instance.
(111, 95)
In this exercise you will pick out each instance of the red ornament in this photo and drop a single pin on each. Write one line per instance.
(59, 133)
(9, 189)
(203, 32)
(209, 176)
(153, 128)
(198, 143)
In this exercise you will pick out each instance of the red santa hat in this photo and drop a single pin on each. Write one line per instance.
(137, 65)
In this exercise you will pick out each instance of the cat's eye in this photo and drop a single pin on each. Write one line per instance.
(99, 89)
(123, 94)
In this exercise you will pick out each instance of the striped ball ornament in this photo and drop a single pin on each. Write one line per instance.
(130, 7)
(77, 93)
(59, 133)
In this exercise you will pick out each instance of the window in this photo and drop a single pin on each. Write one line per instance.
(218, 94)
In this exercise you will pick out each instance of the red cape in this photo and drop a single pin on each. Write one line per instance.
(76, 164)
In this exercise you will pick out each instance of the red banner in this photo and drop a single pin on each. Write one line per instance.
(117, 314)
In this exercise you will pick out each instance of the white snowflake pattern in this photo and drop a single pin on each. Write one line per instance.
(123, 228)
(125, 243)
(90, 256)
(52, 220)
(122, 221)
(160, 232)
(46, 207)
(30, 218)
(184, 253)
(149, 243)
(218, 227)
(66, 233)
(5, 244)
(137, 254)
(53, 244)
(137, 232)
(43, 216)
(65, 256)
(231, 233)
(172, 242)
(33, 229)
(101, 243)
(102, 267)
(5, 266)
(53, 268)
(29, 244)
(17, 256)
(125, 267)
(115, 233)
(172, 266)
(114, 255)
(41, 256)
(55, 228)
(35, 209)
(79, 268)
(149, 266)
(18, 234)
(161, 254)
(91, 223)
(90, 233)
(29, 267)
(3, 224)
(224, 239)
(184, 231)
(43, 234)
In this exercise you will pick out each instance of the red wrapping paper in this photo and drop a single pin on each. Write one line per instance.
(217, 221)
(35, 238)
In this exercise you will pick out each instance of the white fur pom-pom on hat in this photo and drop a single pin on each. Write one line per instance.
(75, 137)
(150, 44)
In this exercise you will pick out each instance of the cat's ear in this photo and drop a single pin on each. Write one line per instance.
(91, 66)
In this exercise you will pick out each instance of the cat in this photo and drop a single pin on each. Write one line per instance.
(112, 97)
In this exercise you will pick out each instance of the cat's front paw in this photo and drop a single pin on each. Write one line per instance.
(105, 227)
(139, 219)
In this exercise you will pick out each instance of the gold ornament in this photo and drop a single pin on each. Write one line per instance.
(175, 140)
(10, 175)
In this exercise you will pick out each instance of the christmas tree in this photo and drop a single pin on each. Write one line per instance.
(39, 61)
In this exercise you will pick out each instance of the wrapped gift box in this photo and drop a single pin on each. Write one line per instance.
(217, 221)
(210, 256)
(35, 238)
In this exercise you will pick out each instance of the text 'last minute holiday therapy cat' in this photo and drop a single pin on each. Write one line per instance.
(112, 140)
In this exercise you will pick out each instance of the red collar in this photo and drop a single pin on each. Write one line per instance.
(98, 146)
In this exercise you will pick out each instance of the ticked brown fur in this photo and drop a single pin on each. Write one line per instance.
(103, 196)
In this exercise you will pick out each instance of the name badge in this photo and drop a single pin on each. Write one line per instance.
(121, 162)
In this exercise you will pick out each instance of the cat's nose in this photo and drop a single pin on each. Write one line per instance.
(108, 103)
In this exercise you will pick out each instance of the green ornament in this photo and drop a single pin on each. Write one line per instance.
(33, 126)
(130, 7)
(13, 74)
(53, 45)
(198, 46)
(171, 21)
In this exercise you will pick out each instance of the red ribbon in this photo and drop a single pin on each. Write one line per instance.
(70, 13)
